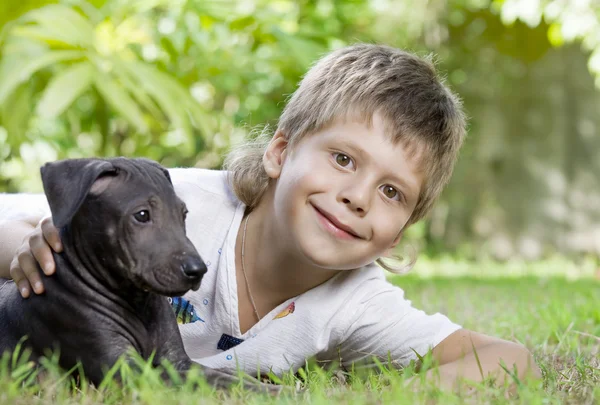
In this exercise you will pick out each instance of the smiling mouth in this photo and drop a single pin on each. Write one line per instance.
(334, 227)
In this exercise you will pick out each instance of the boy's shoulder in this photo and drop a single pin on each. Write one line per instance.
(211, 204)
(23, 206)
(370, 281)
(188, 181)
(376, 310)
(353, 298)
(357, 287)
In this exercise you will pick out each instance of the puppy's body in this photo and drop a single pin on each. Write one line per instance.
(123, 232)
(95, 330)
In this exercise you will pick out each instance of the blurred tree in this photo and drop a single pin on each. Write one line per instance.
(147, 77)
(179, 81)
(89, 55)
(567, 20)
(11, 10)
(528, 165)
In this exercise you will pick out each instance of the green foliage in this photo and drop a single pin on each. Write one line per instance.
(91, 55)
(567, 22)
(178, 82)
(181, 81)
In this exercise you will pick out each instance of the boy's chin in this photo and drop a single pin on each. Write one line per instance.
(336, 262)
(321, 251)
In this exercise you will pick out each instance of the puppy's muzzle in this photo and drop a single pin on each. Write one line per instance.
(193, 267)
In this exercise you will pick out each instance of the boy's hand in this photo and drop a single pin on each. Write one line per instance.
(36, 248)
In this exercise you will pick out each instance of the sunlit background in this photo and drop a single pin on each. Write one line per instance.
(179, 81)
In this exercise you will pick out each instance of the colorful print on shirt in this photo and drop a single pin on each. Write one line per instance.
(184, 311)
(288, 310)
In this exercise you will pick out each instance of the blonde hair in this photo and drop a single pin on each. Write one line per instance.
(359, 80)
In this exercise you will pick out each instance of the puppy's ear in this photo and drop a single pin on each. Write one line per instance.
(157, 165)
(68, 182)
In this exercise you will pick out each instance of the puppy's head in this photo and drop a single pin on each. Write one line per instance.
(124, 220)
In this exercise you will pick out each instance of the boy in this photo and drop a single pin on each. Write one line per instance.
(292, 230)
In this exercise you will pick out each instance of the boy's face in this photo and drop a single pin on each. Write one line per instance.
(342, 195)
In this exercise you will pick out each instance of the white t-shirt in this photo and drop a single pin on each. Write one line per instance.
(350, 318)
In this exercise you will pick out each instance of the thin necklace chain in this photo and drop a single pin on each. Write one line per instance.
(244, 268)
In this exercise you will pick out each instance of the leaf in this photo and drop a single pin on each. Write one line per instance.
(17, 73)
(15, 114)
(218, 9)
(302, 49)
(180, 94)
(120, 101)
(64, 89)
(133, 85)
(143, 6)
(41, 34)
(239, 24)
(514, 375)
(201, 120)
(273, 377)
(5, 29)
(166, 91)
(63, 22)
(477, 360)
(90, 10)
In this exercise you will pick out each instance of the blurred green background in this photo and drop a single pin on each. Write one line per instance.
(179, 81)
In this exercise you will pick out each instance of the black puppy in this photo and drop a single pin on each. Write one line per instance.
(123, 232)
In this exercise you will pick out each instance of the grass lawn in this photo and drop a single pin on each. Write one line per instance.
(556, 317)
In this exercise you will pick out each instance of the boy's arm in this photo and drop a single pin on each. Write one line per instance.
(473, 356)
(36, 247)
(19, 215)
(12, 234)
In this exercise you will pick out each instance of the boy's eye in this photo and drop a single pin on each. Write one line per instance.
(342, 160)
(390, 192)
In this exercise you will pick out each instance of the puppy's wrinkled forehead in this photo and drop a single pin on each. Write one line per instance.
(135, 180)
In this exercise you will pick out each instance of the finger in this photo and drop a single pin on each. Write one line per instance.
(24, 288)
(41, 252)
(51, 234)
(31, 270)
(18, 276)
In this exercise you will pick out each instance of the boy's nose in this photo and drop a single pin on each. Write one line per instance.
(357, 197)
(352, 206)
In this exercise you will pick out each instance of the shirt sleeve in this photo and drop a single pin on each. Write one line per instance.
(23, 206)
(386, 326)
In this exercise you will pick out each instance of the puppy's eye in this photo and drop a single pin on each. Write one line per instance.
(142, 216)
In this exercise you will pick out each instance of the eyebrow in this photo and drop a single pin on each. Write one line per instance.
(412, 188)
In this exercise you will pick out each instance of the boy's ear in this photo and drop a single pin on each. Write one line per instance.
(390, 250)
(275, 154)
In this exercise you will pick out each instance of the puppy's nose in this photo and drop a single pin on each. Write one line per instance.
(193, 267)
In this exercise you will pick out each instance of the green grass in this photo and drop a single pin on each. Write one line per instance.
(557, 318)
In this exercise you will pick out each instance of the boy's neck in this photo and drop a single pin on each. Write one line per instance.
(271, 266)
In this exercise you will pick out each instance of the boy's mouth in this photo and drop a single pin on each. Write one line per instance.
(334, 226)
